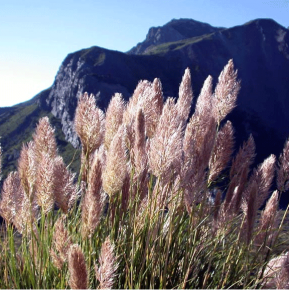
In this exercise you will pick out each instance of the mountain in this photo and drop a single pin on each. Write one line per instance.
(260, 53)
(258, 48)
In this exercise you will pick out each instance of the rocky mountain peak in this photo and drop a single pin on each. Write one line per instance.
(176, 29)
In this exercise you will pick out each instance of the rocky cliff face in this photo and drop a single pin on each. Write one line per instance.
(260, 52)
(81, 72)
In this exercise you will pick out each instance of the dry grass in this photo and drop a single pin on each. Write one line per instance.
(147, 210)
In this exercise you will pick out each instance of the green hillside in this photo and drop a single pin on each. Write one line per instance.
(17, 125)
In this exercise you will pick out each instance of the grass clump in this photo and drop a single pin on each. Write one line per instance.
(149, 208)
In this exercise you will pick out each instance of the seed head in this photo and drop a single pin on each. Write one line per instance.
(89, 124)
(185, 96)
(116, 164)
(106, 272)
(44, 140)
(77, 268)
(65, 190)
(222, 151)
(226, 92)
(114, 117)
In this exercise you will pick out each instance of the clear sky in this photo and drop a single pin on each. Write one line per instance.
(36, 35)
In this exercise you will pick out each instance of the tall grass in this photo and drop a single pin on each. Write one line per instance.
(150, 208)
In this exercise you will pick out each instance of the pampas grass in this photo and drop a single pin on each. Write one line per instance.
(150, 207)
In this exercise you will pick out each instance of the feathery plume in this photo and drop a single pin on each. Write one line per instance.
(27, 169)
(129, 136)
(114, 117)
(132, 107)
(77, 268)
(204, 101)
(150, 101)
(102, 155)
(44, 183)
(27, 214)
(282, 281)
(149, 98)
(141, 87)
(239, 174)
(200, 131)
(263, 176)
(27, 207)
(89, 124)
(268, 222)
(198, 144)
(115, 170)
(199, 140)
(276, 274)
(226, 92)
(222, 151)
(56, 260)
(166, 146)
(93, 202)
(158, 95)
(106, 272)
(152, 105)
(65, 191)
(283, 169)
(125, 193)
(10, 196)
(244, 158)
(61, 242)
(95, 177)
(185, 96)
(44, 140)
(139, 159)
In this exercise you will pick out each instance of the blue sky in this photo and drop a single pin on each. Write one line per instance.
(36, 35)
